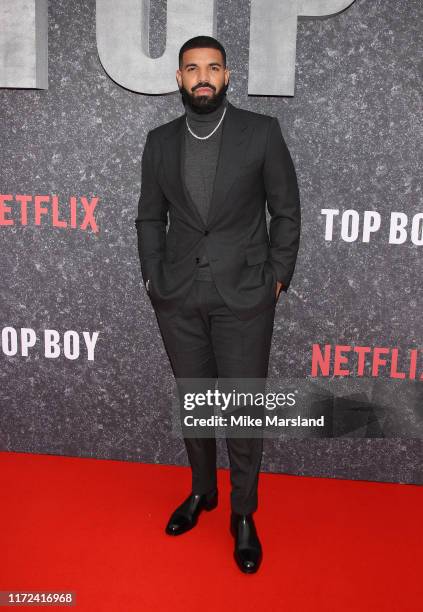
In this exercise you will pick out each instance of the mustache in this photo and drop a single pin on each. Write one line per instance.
(199, 85)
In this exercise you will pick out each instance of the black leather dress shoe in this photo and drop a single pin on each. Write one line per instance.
(248, 552)
(186, 515)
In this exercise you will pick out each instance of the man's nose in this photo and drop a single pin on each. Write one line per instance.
(203, 76)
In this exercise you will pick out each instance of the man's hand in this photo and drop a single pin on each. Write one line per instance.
(278, 288)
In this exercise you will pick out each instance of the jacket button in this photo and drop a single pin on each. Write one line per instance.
(206, 232)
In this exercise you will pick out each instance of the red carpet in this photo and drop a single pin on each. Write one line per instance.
(97, 528)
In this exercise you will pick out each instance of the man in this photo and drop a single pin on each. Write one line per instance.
(214, 277)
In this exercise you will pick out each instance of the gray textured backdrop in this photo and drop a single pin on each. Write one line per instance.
(354, 132)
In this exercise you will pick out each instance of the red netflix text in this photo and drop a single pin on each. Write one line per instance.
(345, 360)
(75, 213)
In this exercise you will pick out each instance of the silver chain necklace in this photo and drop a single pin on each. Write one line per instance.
(211, 133)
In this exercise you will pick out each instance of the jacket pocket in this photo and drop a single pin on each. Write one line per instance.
(256, 253)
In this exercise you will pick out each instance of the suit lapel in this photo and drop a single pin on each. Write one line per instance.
(173, 167)
(231, 155)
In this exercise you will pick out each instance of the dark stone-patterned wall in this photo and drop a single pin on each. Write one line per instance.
(354, 132)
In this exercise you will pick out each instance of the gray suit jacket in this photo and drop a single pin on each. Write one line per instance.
(246, 260)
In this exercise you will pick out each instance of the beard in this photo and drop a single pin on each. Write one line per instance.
(203, 104)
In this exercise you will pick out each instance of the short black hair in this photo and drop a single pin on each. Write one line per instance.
(202, 41)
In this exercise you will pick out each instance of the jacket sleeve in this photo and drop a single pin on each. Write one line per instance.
(151, 221)
(283, 203)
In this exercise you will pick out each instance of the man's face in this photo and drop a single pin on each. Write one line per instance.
(202, 79)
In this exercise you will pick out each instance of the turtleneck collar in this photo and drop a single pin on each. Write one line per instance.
(202, 118)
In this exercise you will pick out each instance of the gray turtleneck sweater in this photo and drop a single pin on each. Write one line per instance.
(200, 162)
